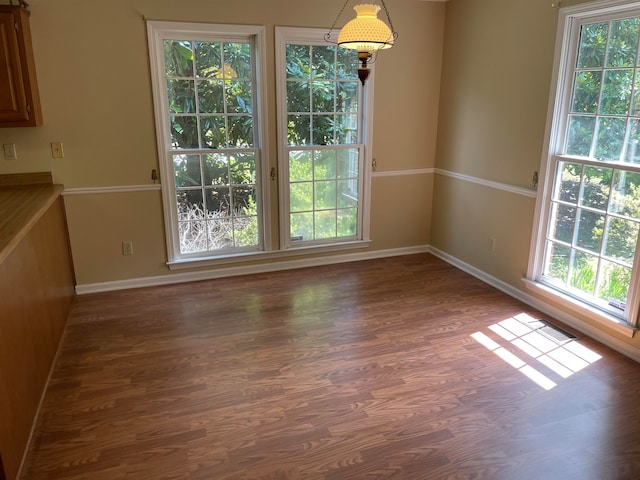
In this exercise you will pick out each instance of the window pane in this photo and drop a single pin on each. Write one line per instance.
(298, 61)
(583, 272)
(632, 147)
(301, 196)
(238, 57)
(241, 131)
(623, 43)
(557, 263)
(347, 64)
(246, 231)
(216, 169)
(580, 135)
(219, 232)
(348, 222)
(568, 182)
(593, 44)
(323, 59)
(347, 97)
(178, 58)
(298, 96)
(244, 200)
(347, 193)
(324, 164)
(586, 92)
(182, 96)
(325, 224)
(193, 237)
(597, 183)
(213, 131)
(323, 129)
(625, 199)
(298, 129)
(614, 282)
(323, 96)
(346, 129)
(348, 161)
(301, 226)
(239, 96)
(243, 168)
(590, 226)
(187, 170)
(210, 99)
(324, 195)
(218, 201)
(563, 222)
(610, 138)
(208, 59)
(184, 132)
(300, 165)
(190, 204)
(620, 239)
(616, 92)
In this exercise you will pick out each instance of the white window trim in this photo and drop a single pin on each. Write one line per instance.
(293, 34)
(565, 54)
(157, 31)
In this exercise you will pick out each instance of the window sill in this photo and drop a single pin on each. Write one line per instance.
(599, 317)
(185, 263)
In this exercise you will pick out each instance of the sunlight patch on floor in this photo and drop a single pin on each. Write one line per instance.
(561, 353)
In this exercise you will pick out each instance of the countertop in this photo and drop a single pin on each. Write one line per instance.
(21, 206)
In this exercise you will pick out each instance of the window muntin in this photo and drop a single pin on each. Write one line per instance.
(593, 207)
(206, 92)
(324, 144)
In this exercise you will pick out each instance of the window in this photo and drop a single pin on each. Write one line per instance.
(322, 140)
(210, 138)
(210, 103)
(589, 209)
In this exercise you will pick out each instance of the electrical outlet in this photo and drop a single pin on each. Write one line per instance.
(56, 150)
(127, 247)
(492, 244)
(10, 151)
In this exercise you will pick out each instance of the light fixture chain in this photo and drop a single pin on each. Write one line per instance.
(337, 18)
(386, 11)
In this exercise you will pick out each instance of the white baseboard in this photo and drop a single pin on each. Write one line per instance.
(245, 270)
(595, 333)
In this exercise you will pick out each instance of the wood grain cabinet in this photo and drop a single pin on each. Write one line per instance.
(19, 98)
(36, 292)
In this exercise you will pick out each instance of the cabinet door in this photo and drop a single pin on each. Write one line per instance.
(13, 100)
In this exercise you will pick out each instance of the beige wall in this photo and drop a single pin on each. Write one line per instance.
(496, 77)
(93, 73)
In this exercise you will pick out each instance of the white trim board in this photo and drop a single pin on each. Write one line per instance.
(579, 325)
(115, 189)
(397, 173)
(244, 270)
(527, 192)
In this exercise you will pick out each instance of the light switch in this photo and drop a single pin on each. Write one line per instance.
(10, 151)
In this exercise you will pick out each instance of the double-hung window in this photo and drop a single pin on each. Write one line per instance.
(207, 92)
(210, 105)
(322, 136)
(588, 213)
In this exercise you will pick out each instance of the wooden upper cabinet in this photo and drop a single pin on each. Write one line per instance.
(19, 98)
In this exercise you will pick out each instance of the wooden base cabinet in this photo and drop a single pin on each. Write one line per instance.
(36, 292)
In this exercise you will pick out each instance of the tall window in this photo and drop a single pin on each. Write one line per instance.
(209, 133)
(322, 139)
(590, 208)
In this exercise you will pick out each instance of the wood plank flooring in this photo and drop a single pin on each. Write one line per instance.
(365, 370)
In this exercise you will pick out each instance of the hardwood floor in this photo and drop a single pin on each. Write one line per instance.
(365, 370)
